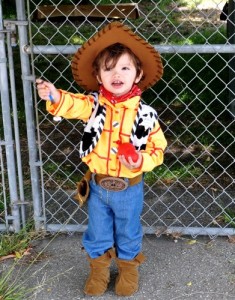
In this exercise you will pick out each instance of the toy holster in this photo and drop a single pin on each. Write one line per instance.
(83, 189)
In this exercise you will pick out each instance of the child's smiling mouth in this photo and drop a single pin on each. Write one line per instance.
(117, 83)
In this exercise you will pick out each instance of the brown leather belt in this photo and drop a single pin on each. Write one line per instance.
(116, 184)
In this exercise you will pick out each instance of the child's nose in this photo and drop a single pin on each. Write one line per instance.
(116, 72)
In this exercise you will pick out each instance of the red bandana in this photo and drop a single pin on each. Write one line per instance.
(135, 91)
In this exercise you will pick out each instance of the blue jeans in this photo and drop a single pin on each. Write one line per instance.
(114, 221)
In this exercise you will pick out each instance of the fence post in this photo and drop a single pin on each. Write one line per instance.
(27, 78)
(231, 39)
(8, 136)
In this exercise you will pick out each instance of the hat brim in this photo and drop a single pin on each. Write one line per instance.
(113, 33)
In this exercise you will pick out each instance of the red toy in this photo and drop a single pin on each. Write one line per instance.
(128, 150)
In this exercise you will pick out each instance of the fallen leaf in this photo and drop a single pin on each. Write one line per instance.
(176, 235)
(27, 251)
(160, 231)
(18, 255)
(231, 239)
(191, 242)
(7, 257)
(209, 244)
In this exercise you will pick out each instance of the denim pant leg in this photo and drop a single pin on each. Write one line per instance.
(127, 208)
(98, 237)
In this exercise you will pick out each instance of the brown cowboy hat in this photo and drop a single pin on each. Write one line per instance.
(113, 33)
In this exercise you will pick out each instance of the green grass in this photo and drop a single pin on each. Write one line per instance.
(16, 275)
(65, 174)
(16, 242)
(229, 217)
(175, 172)
(11, 288)
(12, 282)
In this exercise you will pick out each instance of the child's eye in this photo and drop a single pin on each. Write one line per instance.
(125, 68)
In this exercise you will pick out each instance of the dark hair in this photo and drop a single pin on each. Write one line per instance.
(111, 54)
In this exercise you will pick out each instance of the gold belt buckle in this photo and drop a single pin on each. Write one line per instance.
(113, 184)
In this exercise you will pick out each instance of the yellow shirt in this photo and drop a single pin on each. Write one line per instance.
(118, 125)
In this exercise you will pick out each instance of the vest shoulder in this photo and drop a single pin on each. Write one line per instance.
(148, 110)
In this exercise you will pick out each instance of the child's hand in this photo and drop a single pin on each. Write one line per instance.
(47, 91)
(129, 163)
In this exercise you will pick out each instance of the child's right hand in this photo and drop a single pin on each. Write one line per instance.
(47, 91)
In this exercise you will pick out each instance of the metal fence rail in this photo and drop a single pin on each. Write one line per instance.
(193, 192)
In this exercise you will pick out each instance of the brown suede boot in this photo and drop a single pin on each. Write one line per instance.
(127, 282)
(99, 277)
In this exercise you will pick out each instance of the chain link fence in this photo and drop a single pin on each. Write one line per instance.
(193, 191)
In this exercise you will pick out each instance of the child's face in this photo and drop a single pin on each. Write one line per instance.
(119, 79)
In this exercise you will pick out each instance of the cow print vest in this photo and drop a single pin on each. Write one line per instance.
(144, 123)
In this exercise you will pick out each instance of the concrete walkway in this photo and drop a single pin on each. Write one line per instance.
(182, 270)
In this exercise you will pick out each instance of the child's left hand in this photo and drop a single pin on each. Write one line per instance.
(129, 163)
